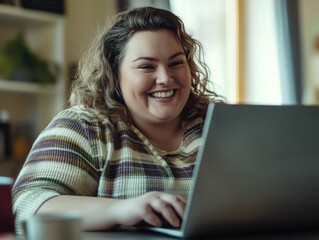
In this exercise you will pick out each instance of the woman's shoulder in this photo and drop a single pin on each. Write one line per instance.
(81, 116)
(80, 113)
(86, 121)
(77, 121)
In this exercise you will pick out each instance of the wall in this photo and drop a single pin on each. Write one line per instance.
(82, 19)
(309, 24)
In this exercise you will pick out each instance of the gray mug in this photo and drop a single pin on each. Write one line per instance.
(60, 226)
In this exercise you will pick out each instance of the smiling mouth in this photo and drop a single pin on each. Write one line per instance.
(163, 94)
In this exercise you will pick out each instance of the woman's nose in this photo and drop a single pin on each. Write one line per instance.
(164, 76)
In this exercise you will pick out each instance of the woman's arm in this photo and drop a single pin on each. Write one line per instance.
(105, 213)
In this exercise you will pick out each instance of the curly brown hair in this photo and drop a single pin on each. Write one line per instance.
(97, 82)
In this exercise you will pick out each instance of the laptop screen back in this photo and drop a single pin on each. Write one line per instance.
(258, 169)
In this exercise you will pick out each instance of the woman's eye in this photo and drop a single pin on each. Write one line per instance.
(147, 67)
(176, 63)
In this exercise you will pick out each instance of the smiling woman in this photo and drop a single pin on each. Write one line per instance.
(155, 81)
(124, 152)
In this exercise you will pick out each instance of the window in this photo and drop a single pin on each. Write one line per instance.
(213, 23)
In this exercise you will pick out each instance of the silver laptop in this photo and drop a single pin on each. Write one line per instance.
(257, 170)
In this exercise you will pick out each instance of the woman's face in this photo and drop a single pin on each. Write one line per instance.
(154, 77)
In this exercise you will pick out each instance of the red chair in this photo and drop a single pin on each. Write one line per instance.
(6, 215)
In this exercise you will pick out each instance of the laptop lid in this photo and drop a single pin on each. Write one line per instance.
(257, 170)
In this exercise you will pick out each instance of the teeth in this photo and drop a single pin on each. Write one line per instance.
(163, 94)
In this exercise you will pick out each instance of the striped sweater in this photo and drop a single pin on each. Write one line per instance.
(79, 154)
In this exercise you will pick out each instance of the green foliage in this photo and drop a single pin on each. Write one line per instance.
(18, 63)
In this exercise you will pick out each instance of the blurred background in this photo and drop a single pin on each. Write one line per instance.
(259, 52)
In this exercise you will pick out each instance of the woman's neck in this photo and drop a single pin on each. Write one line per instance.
(166, 136)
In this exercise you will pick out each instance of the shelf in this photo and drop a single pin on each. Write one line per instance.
(18, 15)
(30, 102)
(24, 87)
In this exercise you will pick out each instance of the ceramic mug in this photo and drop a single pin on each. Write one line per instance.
(60, 226)
(6, 215)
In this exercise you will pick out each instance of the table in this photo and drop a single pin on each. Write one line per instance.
(131, 234)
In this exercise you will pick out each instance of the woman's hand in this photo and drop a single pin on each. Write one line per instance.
(153, 208)
(98, 213)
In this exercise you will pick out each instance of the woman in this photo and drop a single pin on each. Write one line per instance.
(124, 152)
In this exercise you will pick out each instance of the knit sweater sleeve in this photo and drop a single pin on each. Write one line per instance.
(64, 160)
